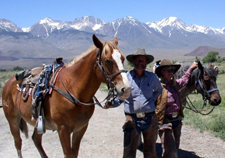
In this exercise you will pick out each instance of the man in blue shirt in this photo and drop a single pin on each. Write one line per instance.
(139, 108)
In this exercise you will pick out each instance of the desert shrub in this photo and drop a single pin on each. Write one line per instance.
(210, 57)
(17, 68)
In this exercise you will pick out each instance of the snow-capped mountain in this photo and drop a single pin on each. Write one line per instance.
(167, 24)
(6, 25)
(87, 23)
(46, 26)
(94, 25)
(74, 37)
(170, 23)
(90, 24)
(206, 29)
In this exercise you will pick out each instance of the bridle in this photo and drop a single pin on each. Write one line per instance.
(101, 67)
(205, 95)
(110, 84)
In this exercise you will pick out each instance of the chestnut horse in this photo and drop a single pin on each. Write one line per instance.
(103, 62)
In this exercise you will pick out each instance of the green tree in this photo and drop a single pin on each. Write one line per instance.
(210, 57)
(17, 68)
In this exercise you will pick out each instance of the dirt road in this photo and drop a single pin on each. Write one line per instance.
(104, 139)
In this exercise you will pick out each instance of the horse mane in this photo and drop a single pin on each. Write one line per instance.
(211, 71)
(185, 66)
(76, 59)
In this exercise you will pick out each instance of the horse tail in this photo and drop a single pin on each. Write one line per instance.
(23, 127)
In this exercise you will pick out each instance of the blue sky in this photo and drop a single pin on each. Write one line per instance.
(25, 13)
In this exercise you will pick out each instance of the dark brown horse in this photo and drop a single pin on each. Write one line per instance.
(81, 78)
(203, 80)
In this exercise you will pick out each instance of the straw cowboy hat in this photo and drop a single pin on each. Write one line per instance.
(140, 51)
(166, 63)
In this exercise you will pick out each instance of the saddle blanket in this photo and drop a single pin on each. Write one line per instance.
(29, 92)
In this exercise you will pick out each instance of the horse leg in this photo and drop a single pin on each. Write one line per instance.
(64, 136)
(14, 125)
(14, 121)
(37, 139)
(76, 139)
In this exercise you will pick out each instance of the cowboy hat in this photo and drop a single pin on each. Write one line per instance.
(166, 63)
(139, 51)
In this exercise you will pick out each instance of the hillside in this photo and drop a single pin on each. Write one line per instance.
(203, 51)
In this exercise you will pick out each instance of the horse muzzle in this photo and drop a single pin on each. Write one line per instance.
(215, 99)
(124, 92)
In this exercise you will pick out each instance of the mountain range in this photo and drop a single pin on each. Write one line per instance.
(50, 38)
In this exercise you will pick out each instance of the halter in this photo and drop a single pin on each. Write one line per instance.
(205, 94)
(111, 93)
(205, 97)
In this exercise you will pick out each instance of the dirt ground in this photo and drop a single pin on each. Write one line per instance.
(104, 139)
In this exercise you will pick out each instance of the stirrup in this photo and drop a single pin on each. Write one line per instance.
(40, 125)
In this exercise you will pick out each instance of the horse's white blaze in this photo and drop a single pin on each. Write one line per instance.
(116, 56)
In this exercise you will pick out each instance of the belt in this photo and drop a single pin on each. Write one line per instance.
(173, 115)
(141, 114)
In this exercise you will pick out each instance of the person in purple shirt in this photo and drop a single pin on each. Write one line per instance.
(169, 107)
(139, 108)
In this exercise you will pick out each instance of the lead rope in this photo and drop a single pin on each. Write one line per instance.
(205, 107)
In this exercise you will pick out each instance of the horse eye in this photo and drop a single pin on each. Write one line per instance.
(207, 82)
(107, 61)
(109, 64)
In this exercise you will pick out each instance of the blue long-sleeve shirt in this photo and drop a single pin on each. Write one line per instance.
(143, 94)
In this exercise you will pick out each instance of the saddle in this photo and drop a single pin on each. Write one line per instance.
(36, 83)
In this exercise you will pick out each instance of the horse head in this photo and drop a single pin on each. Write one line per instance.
(205, 83)
(110, 60)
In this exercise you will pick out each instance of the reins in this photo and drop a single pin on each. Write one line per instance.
(205, 107)
(68, 95)
(111, 93)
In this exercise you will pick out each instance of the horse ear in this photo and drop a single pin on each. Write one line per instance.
(201, 69)
(200, 66)
(97, 42)
(115, 41)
